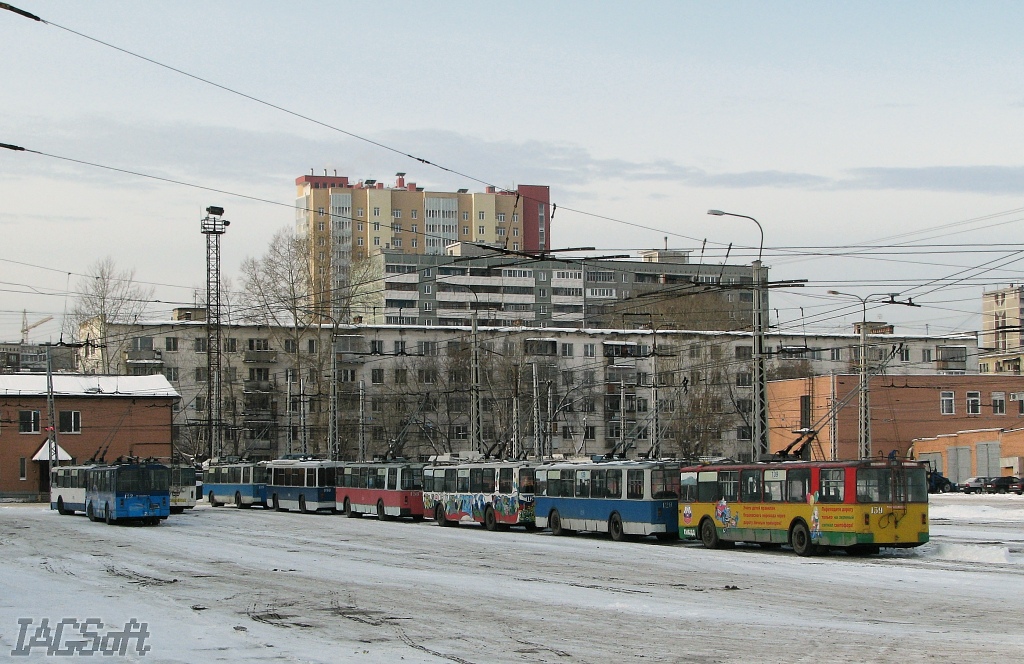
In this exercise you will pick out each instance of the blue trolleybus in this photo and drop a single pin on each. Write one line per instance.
(128, 492)
(622, 498)
(303, 485)
(241, 484)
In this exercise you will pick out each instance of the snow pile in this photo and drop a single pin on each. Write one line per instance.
(1013, 512)
(969, 553)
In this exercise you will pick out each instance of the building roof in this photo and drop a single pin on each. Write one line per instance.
(82, 385)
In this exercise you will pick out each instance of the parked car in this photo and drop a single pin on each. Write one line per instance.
(973, 484)
(1016, 487)
(939, 483)
(1000, 484)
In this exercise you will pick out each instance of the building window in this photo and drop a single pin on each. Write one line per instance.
(290, 345)
(465, 230)
(199, 403)
(171, 343)
(946, 406)
(311, 346)
(744, 379)
(22, 468)
(427, 289)
(926, 354)
(566, 350)
(904, 353)
(259, 344)
(501, 217)
(744, 352)
(412, 214)
(28, 421)
(480, 229)
(744, 433)
(377, 376)
(480, 216)
(401, 376)
(974, 403)
(376, 211)
(347, 375)
(836, 354)
(70, 421)
(589, 350)
(376, 241)
(999, 403)
(397, 214)
(200, 345)
(171, 374)
(515, 232)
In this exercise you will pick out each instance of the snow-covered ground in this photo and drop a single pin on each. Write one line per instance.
(226, 585)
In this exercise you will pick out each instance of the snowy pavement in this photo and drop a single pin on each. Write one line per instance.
(227, 585)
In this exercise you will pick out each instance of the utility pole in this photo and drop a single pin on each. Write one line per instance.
(213, 226)
(517, 448)
(538, 448)
(362, 421)
(332, 425)
(474, 406)
(762, 447)
(864, 410)
(288, 397)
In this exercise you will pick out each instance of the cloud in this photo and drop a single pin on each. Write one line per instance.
(258, 163)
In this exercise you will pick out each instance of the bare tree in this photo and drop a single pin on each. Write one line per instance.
(106, 296)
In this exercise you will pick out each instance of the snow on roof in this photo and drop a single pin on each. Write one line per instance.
(87, 385)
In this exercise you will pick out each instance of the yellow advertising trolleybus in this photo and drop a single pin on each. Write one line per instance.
(812, 506)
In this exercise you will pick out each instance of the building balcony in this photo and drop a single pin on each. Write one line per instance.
(951, 365)
(143, 357)
(259, 415)
(260, 356)
(259, 386)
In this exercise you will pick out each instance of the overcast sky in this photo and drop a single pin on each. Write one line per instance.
(834, 125)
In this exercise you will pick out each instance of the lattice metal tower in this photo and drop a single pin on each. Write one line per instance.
(213, 226)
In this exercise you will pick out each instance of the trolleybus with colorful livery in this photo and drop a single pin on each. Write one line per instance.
(497, 494)
(306, 485)
(625, 499)
(858, 506)
(242, 484)
(67, 489)
(389, 489)
(128, 492)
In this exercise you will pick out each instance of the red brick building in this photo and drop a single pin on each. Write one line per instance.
(964, 454)
(902, 408)
(118, 415)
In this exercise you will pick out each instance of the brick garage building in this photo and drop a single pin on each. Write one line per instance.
(902, 408)
(123, 415)
(964, 454)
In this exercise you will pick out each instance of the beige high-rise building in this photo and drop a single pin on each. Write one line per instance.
(345, 222)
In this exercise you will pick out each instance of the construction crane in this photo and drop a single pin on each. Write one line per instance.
(25, 327)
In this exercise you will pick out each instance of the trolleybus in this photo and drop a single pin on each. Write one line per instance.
(497, 494)
(242, 484)
(128, 491)
(183, 487)
(306, 485)
(858, 506)
(67, 489)
(388, 489)
(625, 499)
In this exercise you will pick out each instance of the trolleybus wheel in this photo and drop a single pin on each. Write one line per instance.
(800, 538)
(238, 500)
(60, 506)
(348, 510)
(490, 521)
(276, 503)
(110, 515)
(615, 527)
(302, 504)
(213, 501)
(709, 534)
(555, 523)
(381, 514)
(89, 513)
(440, 516)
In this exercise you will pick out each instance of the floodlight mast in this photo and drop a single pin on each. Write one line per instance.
(213, 226)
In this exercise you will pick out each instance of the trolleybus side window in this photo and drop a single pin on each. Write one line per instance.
(505, 480)
(567, 488)
(729, 485)
(635, 484)
(450, 477)
(688, 487)
(833, 486)
(873, 485)
(476, 480)
(614, 483)
(487, 480)
(750, 486)
(774, 486)
(799, 482)
(555, 483)
(707, 487)
(583, 484)
(527, 480)
(247, 475)
(463, 483)
(412, 479)
(542, 484)
(598, 483)
(665, 483)
(392, 479)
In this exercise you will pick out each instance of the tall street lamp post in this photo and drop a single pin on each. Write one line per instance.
(864, 411)
(760, 446)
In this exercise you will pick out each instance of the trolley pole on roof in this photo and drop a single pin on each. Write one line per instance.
(213, 226)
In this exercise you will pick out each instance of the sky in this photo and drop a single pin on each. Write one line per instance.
(877, 144)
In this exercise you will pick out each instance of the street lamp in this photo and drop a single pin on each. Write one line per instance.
(864, 412)
(761, 447)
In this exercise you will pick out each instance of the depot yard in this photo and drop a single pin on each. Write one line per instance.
(222, 584)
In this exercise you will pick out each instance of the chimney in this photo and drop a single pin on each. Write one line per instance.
(411, 186)
(380, 185)
(490, 189)
(400, 184)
